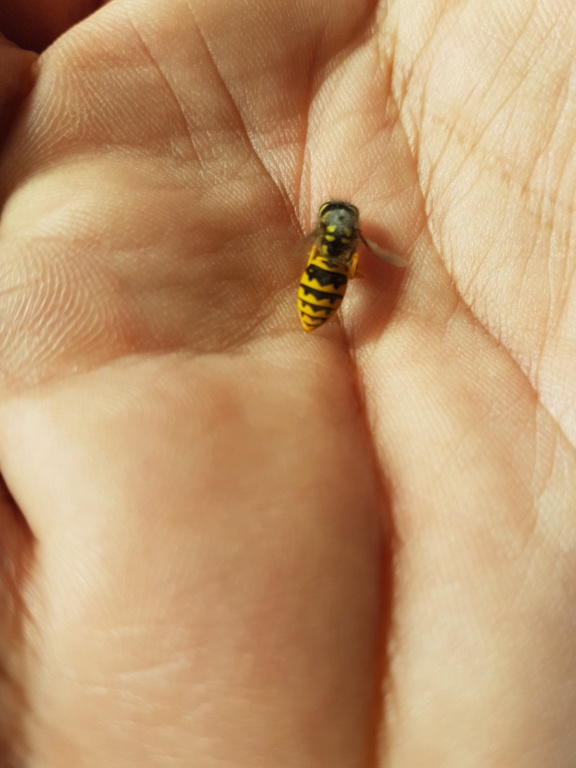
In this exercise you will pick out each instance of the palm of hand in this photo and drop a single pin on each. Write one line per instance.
(205, 484)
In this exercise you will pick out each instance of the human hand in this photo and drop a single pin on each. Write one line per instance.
(224, 537)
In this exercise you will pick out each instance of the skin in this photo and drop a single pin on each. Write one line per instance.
(225, 542)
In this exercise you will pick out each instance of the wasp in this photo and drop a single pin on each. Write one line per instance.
(332, 262)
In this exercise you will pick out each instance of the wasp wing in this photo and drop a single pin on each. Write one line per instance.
(305, 243)
(391, 258)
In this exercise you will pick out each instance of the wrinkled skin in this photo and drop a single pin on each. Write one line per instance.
(227, 543)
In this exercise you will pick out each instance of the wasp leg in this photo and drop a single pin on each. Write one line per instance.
(353, 267)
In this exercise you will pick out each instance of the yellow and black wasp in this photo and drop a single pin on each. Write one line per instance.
(333, 261)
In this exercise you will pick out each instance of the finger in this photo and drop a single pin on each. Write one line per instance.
(149, 215)
(186, 207)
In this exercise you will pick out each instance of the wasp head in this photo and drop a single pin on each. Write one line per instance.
(337, 216)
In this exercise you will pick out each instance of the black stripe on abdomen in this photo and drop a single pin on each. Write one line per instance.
(326, 277)
(320, 295)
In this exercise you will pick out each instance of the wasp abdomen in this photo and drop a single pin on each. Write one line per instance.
(321, 290)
